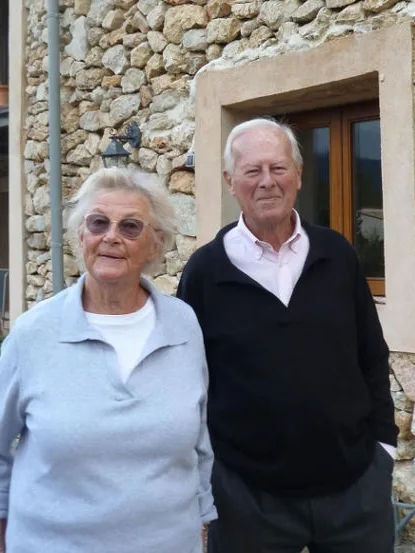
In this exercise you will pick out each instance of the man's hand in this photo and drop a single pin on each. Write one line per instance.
(204, 538)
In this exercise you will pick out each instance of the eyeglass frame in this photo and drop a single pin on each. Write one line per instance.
(117, 223)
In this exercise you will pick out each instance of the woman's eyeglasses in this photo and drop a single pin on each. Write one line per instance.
(130, 228)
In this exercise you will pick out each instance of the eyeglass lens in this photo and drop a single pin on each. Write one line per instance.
(99, 224)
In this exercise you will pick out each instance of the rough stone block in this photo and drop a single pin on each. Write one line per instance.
(81, 7)
(88, 79)
(115, 59)
(123, 108)
(223, 31)
(157, 41)
(141, 55)
(133, 80)
(145, 6)
(113, 20)
(180, 19)
(78, 47)
(167, 284)
(218, 8)
(156, 17)
(333, 4)
(246, 10)
(185, 209)
(195, 40)
(308, 10)
(377, 6)
(182, 181)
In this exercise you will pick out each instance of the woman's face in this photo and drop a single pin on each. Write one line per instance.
(110, 256)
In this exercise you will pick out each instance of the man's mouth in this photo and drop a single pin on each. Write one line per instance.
(270, 198)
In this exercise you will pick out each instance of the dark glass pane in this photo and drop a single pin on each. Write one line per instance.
(313, 202)
(4, 37)
(367, 197)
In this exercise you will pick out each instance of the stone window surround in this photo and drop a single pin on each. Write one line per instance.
(356, 68)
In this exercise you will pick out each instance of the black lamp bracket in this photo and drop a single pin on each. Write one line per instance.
(132, 135)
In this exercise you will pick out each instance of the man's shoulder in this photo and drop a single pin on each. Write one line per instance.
(202, 256)
(205, 255)
(331, 240)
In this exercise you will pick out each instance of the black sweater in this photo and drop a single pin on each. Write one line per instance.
(298, 395)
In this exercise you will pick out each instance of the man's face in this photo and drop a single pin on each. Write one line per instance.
(265, 179)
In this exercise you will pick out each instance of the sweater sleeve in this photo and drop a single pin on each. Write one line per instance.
(374, 361)
(205, 459)
(11, 422)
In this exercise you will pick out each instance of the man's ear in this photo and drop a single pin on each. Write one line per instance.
(228, 180)
(300, 175)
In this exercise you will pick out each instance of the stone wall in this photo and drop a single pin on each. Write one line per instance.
(128, 60)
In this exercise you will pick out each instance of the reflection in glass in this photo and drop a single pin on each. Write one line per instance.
(367, 197)
(313, 202)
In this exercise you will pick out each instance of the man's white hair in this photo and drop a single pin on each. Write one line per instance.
(260, 123)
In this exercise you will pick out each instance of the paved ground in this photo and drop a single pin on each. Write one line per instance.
(405, 548)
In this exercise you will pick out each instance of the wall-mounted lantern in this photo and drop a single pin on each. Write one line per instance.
(115, 154)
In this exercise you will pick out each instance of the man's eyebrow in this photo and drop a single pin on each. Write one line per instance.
(246, 164)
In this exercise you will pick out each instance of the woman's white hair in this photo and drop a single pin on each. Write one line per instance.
(260, 123)
(163, 218)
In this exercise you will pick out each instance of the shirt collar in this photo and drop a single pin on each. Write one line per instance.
(260, 246)
(76, 328)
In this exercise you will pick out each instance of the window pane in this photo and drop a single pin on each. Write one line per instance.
(313, 201)
(367, 197)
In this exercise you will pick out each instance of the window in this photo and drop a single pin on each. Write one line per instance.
(4, 36)
(342, 182)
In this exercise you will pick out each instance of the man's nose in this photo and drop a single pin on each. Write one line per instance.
(267, 179)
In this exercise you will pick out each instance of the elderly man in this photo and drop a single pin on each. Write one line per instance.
(300, 411)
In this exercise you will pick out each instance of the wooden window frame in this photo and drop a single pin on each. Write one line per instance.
(339, 120)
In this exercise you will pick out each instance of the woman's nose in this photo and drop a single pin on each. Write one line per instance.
(112, 233)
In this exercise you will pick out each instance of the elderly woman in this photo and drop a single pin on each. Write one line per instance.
(106, 385)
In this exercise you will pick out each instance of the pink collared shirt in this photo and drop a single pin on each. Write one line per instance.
(278, 272)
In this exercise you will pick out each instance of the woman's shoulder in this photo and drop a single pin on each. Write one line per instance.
(45, 311)
(176, 311)
(176, 305)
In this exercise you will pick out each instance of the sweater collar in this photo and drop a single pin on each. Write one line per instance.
(225, 271)
(75, 326)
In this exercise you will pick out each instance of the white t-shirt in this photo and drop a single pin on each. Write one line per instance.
(127, 334)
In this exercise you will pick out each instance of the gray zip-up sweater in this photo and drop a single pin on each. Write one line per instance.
(102, 466)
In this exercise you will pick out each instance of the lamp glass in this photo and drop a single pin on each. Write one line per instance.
(115, 155)
(115, 161)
